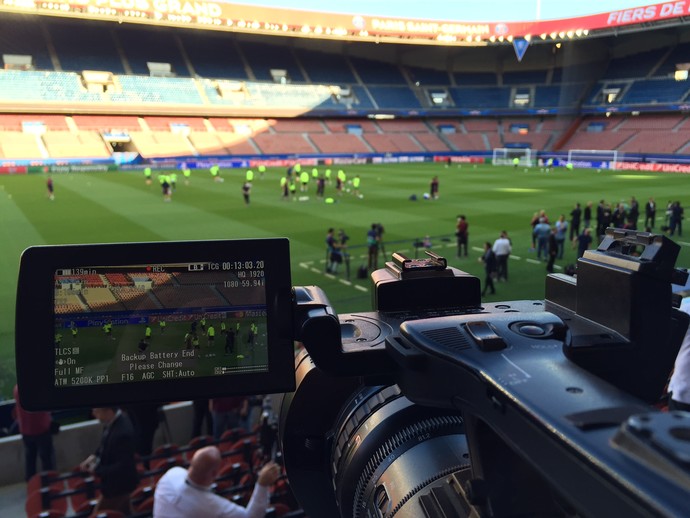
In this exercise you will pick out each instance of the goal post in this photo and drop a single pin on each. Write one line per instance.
(505, 156)
(599, 158)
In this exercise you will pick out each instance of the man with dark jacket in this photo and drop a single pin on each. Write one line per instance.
(114, 460)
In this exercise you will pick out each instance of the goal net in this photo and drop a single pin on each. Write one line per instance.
(599, 158)
(506, 156)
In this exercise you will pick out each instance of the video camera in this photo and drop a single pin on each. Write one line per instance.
(434, 404)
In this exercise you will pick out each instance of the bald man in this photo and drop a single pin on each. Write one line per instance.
(182, 493)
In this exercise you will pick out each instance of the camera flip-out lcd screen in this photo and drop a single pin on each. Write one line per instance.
(175, 320)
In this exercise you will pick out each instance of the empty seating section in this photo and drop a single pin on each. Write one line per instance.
(159, 278)
(16, 145)
(656, 91)
(262, 58)
(161, 143)
(107, 123)
(524, 77)
(82, 144)
(653, 122)
(475, 78)
(339, 143)
(656, 142)
(428, 76)
(468, 141)
(598, 140)
(394, 97)
(118, 279)
(486, 97)
(325, 68)
(101, 299)
(362, 99)
(89, 48)
(403, 126)
(285, 143)
(533, 140)
(431, 142)
(66, 302)
(377, 72)
(678, 55)
(636, 65)
(136, 298)
(392, 143)
(166, 123)
(202, 278)
(341, 125)
(14, 40)
(188, 297)
(213, 55)
(142, 89)
(563, 94)
(490, 125)
(32, 85)
(296, 126)
(144, 45)
(207, 143)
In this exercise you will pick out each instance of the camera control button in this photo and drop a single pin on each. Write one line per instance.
(485, 336)
(531, 330)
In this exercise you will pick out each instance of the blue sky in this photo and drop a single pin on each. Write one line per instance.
(459, 10)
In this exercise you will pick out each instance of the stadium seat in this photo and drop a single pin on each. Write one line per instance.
(229, 437)
(44, 479)
(45, 499)
(86, 490)
(51, 513)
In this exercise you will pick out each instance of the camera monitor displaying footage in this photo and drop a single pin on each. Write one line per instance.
(125, 323)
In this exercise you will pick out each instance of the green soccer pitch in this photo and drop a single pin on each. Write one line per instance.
(120, 207)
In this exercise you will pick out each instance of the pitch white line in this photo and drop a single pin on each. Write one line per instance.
(516, 257)
(533, 261)
(360, 288)
(346, 283)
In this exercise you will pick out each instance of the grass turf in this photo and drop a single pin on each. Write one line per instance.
(120, 207)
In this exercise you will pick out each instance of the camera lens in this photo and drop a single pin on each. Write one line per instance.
(388, 451)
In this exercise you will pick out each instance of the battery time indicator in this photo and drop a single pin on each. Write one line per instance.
(64, 272)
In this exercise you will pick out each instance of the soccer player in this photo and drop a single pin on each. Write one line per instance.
(161, 325)
(143, 345)
(188, 338)
(108, 330)
(147, 333)
(246, 191)
(187, 175)
(304, 180)
(284, 187)
(262, 170)
(211, 334)
(249, 175)
(51, 188)
(173, 180)
(516, 162)
(355, 186)
(58, 339)
(202, 324)
(147, 175)
(73, 329)
(229, 342)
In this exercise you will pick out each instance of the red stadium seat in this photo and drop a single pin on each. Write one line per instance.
(86, 492)
(44, 500)
(44, 479)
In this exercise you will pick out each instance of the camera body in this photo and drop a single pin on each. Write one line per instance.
(508, 409)
(434, 404)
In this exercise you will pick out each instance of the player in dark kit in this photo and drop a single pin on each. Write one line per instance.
(143, 345)
(51, 188)
(229, 341)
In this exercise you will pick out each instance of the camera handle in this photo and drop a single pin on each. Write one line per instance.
(352, 346)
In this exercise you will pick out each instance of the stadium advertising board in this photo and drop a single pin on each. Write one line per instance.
(294, 21)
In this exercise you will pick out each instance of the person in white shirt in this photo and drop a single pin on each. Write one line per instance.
(502, 249)
(679, 385)
(184, 493)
